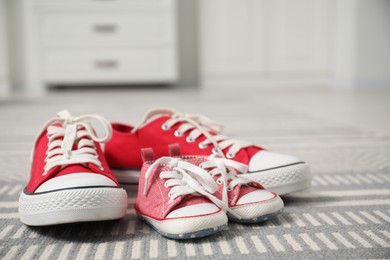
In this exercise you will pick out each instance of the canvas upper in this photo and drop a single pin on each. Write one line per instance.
(156, 202)
(67, 154)
(196, 135)
(174, 203)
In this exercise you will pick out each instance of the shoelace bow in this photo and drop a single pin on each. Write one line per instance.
(185, 178)
(73, 130)
(227, 169)
(199, 125)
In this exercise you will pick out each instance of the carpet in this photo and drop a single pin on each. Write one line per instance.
(346, 214)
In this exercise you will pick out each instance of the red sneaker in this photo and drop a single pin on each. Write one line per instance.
(188, 197)
(198, 135)
(174, 203)
(70, 180)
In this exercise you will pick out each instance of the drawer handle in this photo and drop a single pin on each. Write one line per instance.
(106, 64)
(104, 28)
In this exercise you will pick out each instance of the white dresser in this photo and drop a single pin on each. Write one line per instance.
(93, 42)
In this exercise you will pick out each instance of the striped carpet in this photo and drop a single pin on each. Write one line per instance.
(345, 215)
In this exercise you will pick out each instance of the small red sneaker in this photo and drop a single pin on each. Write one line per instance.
(198, 135)
(70, 180)
(174, 203)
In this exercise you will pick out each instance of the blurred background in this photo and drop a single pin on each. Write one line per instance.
(294, 51)
(309, 78)
(189, 43)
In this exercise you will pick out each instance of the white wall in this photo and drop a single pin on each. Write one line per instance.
(373, 44)
(361, 57)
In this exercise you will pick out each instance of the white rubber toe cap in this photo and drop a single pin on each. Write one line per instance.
(76, 180)
(194, 210)
(264, 160)
(256, 196)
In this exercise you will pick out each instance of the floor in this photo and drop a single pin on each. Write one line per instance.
(344, 135)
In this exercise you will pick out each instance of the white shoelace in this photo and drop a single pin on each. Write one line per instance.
(73, 130)
(185, 178)
(198, 126)
(227, 169)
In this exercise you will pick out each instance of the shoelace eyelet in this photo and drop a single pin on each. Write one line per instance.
(202, 146)
(190, 140)
(230, 155)
(219, 181)
(164, 127)
(229, 189)
(178, 134)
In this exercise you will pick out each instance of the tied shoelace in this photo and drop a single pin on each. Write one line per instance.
(185, 178)
(227, 169)
(198, 126)
(65, 131)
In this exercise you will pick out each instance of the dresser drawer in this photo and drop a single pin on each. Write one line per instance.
(75, 2)
(104, 5)
(93, 65)
(135, 27)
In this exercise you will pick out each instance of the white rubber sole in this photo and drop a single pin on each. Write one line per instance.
(188, 228)
(283, 180)
(258, 212)
(72, 205)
